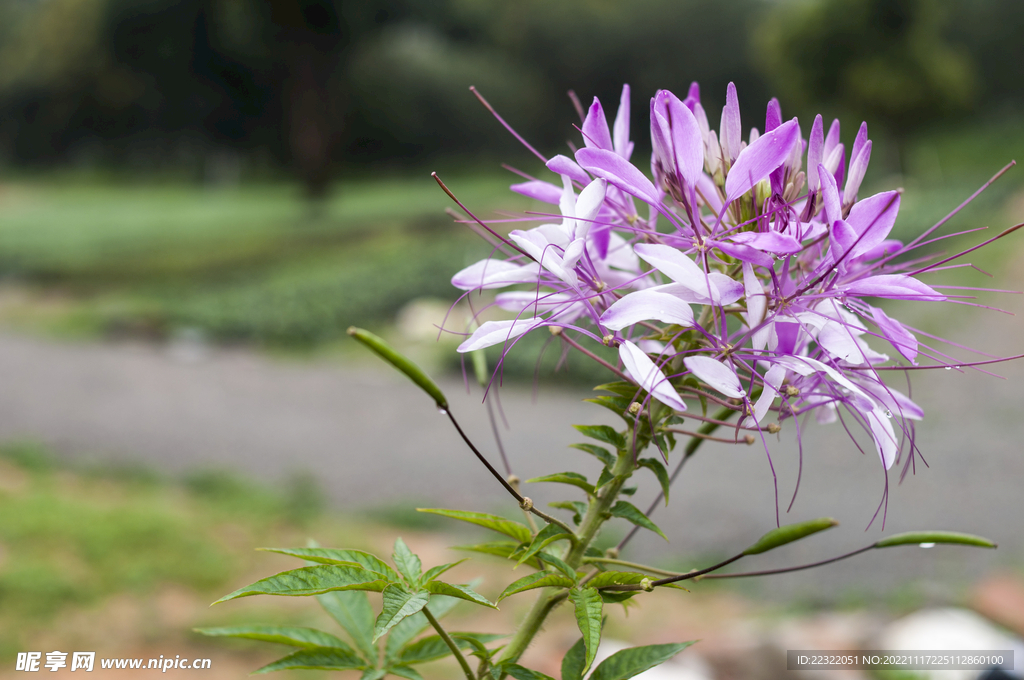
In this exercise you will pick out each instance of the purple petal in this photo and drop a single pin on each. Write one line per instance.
(673, 264)
(902, 339)
(832, 138)
(724, 290)
(731, 129)
(589, 204)
(841, 237)
(840, 341)
(772, 382)
(773, 117)
(884, 436)
(686, 141)
(861, 140)
(709, 191)
(693, 95)
(893, 287)
(760, 158)
(640, 368)
(496, 332)
(494, 274)
(542, 191)
(830, 195)
(898, 404)
(645, 305)
(621, 126)
(769, 241)
(815, 154)
(742, 252)
(858, 166)
(619, 173)
(873, 219)
(595, 128)
(715, 374)
(563, 165)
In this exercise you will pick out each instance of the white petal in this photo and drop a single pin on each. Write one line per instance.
(645, 305)
(757, 301)
(494, 274)
(641, 369)
(495, 332)
(716, 374)
(884, 436)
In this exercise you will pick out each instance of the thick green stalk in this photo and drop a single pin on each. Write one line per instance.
(597, 515)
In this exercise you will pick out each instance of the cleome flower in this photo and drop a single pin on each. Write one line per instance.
(751, 280)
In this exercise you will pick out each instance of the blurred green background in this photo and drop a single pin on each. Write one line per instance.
(256, 173)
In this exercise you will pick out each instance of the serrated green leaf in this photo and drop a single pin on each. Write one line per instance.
(518, 531)
(478, 642)
(574, 660)
(341, 557)
(558, 564)
(434, 572)
(433, 647)
(351, 609)
(627, 490)
(919, 537)
(603, 433)
(605, 477)
(631, 513)
(503, 549)
(408, 564)
(373, 674)
(402, 363)
(617, 405)
(616, 597)
(628, 663)
(406, 672)
(789, 533)
(398, 604)
(520, 673)
(413, 625)
(460, 591)
(598, 452)
(285, 635)
(617, 578)
(656, 466)
(571, 478)
(312, 581)
(621, 388)
(541, 579)
(317, 658)
(578, 509)
(588, 605)
(549, 534)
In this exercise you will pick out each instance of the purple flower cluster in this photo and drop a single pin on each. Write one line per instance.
(749, 263)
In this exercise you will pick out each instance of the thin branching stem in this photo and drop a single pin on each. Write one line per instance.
(451, 644)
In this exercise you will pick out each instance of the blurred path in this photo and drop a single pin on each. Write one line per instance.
(373, 440)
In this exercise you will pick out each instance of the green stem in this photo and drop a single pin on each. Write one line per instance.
(597, 514)
(451, 644)
(631, 565)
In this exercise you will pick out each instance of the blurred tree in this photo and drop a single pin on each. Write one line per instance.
(886, 60)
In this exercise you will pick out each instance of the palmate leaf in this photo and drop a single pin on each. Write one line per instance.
(433, 647)
(631, 513)
(341, 557)
(549, 534)
(317, 658)
(603, 433)
(460, 591)
(571, 478)
(597, 452)
(518, 531)
(373, 674)
(407, 672)
(434, 572)
(541, 579)
(503, 549)
(408, 564)
(634, 661)
(351, 609)
(558, 564)
(398, 604)
(285, 635)
(588, 606)
(312, 581)
(574, 661)
(520, 673)
(413, 625)
(617, 405)
(656, 466)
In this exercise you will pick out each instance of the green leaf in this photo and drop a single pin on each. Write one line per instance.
(605, 477)
(285, 635)
(398, 604)
(477, 641)
(373, 674)
(789, 533)
(549, 534)
(342, 557)
(656, 466)
(596, 451)
(616, 597)
(413, 625)
(317, 658)
(630, 662)
(573, 661)
(617, 405)
(577, 508)
(571, 478)
(518, 531)
(558, 564)
(405, 672)
(434, 572)
(351, 609)
(621, 388)
(520, 673)
(617, 578)
(588, 605)
(919, 537)
(409, 566)
(541, 579)
(460, 591)
(433, 647)
(603, 433)
(402, 363)
(499, 549)
(631, 513)
(312, 581)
